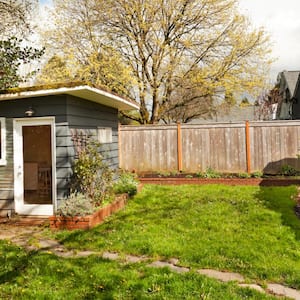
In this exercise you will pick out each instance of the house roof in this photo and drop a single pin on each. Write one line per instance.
(83, 91)
(291, 78)
(230, 114)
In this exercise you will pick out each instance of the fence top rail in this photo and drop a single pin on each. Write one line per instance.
(183, 126)
(274, 123)
(145, 127)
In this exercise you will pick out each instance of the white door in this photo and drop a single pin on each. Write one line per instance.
(34, 166)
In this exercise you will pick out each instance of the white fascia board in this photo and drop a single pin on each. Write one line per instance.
(84, 92)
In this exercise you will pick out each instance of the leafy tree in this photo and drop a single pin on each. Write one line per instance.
(14, 18)
(12, 55)
(78, 40)
(14, 22)
(55, 70)
(100, 69)
(178, 53)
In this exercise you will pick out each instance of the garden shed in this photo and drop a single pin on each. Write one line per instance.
(41, 131)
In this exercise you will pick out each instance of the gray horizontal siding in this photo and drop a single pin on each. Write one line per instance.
(7, 172)
(83, 118)
(89, 115)
(89, 122)
(42, 106)
(64, 159)
(6, 201)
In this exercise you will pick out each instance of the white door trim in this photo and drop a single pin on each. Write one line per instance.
(20, 207)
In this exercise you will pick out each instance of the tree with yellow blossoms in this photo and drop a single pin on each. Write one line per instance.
(174, 57)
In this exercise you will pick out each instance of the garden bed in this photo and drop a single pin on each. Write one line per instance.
(89, 221)
(270, 181)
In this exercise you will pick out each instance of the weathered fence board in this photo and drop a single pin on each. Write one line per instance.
(221, 146)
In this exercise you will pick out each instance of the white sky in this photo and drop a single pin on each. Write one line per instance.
(281, 20)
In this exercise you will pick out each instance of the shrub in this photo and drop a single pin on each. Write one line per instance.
(126, 183)
(92, 176)
(76, 204)
(288, 170)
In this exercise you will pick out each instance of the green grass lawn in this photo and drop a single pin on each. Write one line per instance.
(45, 276)
(251, 230)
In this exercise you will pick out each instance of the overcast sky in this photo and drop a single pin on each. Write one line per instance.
(281, 20)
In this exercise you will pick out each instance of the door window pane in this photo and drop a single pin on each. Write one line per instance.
(37, 159)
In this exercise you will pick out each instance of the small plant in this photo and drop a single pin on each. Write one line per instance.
(174, 173)
(244, 175)
(211, 173)
(189, 176)
(200, 175)
(288, 170)
(164, 174)
(257, 174)
(76, 204)
(126, 183)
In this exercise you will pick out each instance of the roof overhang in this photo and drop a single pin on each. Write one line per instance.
(84, 92)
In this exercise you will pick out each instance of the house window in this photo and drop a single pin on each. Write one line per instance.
(104, 135)
(2, 142)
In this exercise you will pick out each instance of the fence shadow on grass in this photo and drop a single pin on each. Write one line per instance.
(281, 200)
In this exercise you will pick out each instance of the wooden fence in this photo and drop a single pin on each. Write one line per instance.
(224, 147)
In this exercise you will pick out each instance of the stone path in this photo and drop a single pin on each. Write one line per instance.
(31, 239)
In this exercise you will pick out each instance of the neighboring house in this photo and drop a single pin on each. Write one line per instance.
(289, 105)
(41, 130)
(230, 114)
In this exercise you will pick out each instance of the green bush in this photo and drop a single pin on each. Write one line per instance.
(126, 183)
(76, 204)
(92, 176)
(288, 170)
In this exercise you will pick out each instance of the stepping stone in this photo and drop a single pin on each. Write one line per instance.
(252, 286)
(162, 264)
(174, 261)
(110, 255)
(49, 244)
(222, 276)
(85, 253)
(134, 259)
(68, 254)
(282, 290)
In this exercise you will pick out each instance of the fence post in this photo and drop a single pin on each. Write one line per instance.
(248, 154)
(179, 147)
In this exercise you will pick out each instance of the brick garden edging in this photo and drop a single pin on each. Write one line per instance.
(87, 222)
(226, 181)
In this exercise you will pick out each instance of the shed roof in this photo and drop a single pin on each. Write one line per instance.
(83, 91)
